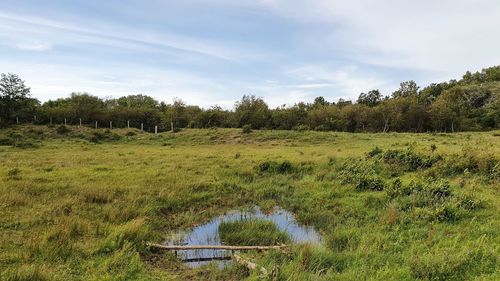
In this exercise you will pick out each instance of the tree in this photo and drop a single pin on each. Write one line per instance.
(14, 98)
(253, 111)
(319, 102)
(372, 98)
(406, 89)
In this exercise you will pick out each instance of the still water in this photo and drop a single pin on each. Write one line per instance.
(208, 234)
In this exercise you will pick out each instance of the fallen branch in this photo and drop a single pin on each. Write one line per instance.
(214, 247)
(250, 265)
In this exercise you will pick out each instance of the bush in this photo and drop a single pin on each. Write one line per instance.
(369, 183)
(106, 136)
(6, 141)
(409, 159)
(25, 144)
(14, 174)
(284, 167)
(301, 128)
(375, 151)
(62, 130)
(246, 129)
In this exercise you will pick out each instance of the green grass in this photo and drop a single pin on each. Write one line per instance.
(80, 205)
(251, 232)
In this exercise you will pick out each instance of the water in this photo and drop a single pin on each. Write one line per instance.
(208, 234)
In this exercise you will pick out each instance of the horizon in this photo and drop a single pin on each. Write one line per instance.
(213, 53)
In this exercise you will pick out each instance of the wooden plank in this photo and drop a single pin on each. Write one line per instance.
(214, 247)
(250, 265)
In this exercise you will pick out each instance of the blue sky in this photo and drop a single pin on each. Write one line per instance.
(209, 52)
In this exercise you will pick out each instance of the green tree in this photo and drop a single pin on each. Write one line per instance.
(15, 100)
(406, 89)
(253, 111)
(372, 98)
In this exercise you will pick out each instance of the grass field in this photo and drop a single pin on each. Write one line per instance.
(79, 204)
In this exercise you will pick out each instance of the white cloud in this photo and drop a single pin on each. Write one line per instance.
(34, 45)
(118, 36)
(442, 37)
(348, 81)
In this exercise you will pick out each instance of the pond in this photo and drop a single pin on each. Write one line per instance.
(208, 234)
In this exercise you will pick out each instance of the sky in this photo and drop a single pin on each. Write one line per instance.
(212, 52)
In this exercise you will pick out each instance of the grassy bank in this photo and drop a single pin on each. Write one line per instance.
(78, 203)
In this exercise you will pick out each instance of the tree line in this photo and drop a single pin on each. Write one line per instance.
(470, 103)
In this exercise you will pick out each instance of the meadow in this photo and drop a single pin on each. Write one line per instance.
(80, 203)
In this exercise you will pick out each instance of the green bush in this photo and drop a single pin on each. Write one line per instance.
(246, 129)
(284, 167)
(369, 183)
(6, 141)
(409, 159)
(14, 174)
(62, 130)
(375, 151)
(301, 128)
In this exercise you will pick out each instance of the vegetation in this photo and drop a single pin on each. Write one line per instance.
(251, 232)
(78, 203)
(471, 103)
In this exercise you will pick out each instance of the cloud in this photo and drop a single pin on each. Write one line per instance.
(348, 82)
(34, 45)
(441, 37)
(119, 36)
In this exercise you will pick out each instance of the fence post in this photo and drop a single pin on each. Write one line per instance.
(17, 120)
(142, 127)
(156, 129)
(34, 118)
(111, 124)
(96, 124)
(172, 126)
(80, 122)
(128, 124)
(64, 121)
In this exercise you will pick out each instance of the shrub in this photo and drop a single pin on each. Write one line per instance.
(25, 144)
(106, 136)
(130, 134)
(301, 128)
(433, 147)
(446, 213)
(14, 174)
(62, 130)
(375, 151)
(284, 167)
(369, 183)
(6, 141)
(246, 129)
(409, 159)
